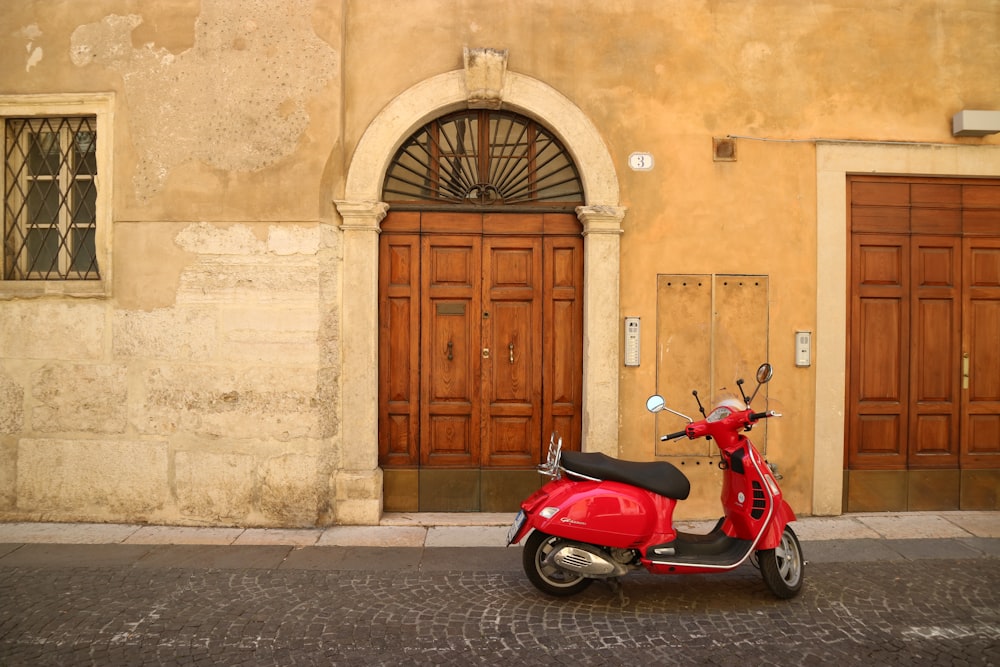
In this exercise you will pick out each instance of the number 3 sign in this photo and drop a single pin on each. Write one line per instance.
(640, 161)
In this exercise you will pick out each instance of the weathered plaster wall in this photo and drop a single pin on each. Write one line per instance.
(206, 388)
(234, 101)
(225, 107)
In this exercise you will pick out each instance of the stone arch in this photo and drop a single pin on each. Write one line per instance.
(484, 82)
(447, 92)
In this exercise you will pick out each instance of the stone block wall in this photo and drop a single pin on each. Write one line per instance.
(210, 410)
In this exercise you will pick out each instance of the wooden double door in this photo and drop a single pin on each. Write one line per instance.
(924, 347)
(480, 348)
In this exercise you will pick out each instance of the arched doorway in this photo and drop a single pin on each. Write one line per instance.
(480, 311)
(357, 480)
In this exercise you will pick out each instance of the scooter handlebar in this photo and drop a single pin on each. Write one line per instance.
(754, 417)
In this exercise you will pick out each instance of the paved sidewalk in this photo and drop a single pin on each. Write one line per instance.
(481, 530)
(430, 541)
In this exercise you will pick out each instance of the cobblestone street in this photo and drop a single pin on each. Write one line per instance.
(346, 606)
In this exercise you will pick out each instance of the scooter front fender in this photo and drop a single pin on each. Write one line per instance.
(610, 514)
(783, 515)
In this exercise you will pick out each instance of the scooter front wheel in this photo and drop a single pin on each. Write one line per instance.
(783, 566)
(546, 577)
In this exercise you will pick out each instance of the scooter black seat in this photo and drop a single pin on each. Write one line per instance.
(657, 476)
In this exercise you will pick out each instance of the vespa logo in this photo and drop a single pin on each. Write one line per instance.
(566, 519)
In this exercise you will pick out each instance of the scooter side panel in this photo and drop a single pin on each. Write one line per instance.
(747, 492)
(606, 513)
(755, 502)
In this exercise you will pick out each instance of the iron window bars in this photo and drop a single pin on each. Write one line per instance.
(50, 197)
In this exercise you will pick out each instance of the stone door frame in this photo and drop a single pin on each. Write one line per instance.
(834, 162)
(483, 83)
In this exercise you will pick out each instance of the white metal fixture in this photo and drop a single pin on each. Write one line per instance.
(803, 348)
(972, 123)
(632, 336)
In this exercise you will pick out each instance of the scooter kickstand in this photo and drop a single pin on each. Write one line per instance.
(615, 584)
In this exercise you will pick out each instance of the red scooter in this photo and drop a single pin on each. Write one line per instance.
(601, 517)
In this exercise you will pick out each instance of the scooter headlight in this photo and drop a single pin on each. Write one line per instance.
(549, 512)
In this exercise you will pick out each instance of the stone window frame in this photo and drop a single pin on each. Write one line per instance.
(101, 107)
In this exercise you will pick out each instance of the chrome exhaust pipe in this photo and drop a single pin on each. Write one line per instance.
(586, 560)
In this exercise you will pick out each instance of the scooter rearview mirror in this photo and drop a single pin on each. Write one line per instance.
(655, 403)
(764, 374)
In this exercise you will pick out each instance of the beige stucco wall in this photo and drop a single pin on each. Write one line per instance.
(208, 385)
(205, 388)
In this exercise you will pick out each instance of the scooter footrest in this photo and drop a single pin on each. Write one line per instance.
(717, 553)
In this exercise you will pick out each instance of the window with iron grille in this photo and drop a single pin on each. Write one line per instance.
(50, 198)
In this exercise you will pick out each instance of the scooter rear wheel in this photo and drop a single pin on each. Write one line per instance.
(547, 577)
(783, 567)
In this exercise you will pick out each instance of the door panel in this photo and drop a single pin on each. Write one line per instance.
(512, 332)
(450, 359)
(981, 411)
(934, 384)
(399, 339)
(689, 299)
(562, 339)
(879, 343)
(739, 333)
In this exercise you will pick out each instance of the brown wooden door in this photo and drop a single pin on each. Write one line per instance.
(981, 356)
(924, 343)
(480, 342)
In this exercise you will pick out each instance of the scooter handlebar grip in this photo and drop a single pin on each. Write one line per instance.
(671, 436)
(759, 415)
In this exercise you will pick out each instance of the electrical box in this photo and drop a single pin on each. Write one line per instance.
(803, 348)
(975, 123)
(632, 339)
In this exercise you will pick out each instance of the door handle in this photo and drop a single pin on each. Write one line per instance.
(965, 370)
(486, 353)
(450, 351)
(511, 348)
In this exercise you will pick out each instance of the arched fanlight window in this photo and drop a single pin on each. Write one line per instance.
(483, 160)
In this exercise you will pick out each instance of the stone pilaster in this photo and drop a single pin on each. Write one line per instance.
(601, 322)
(358, 485)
